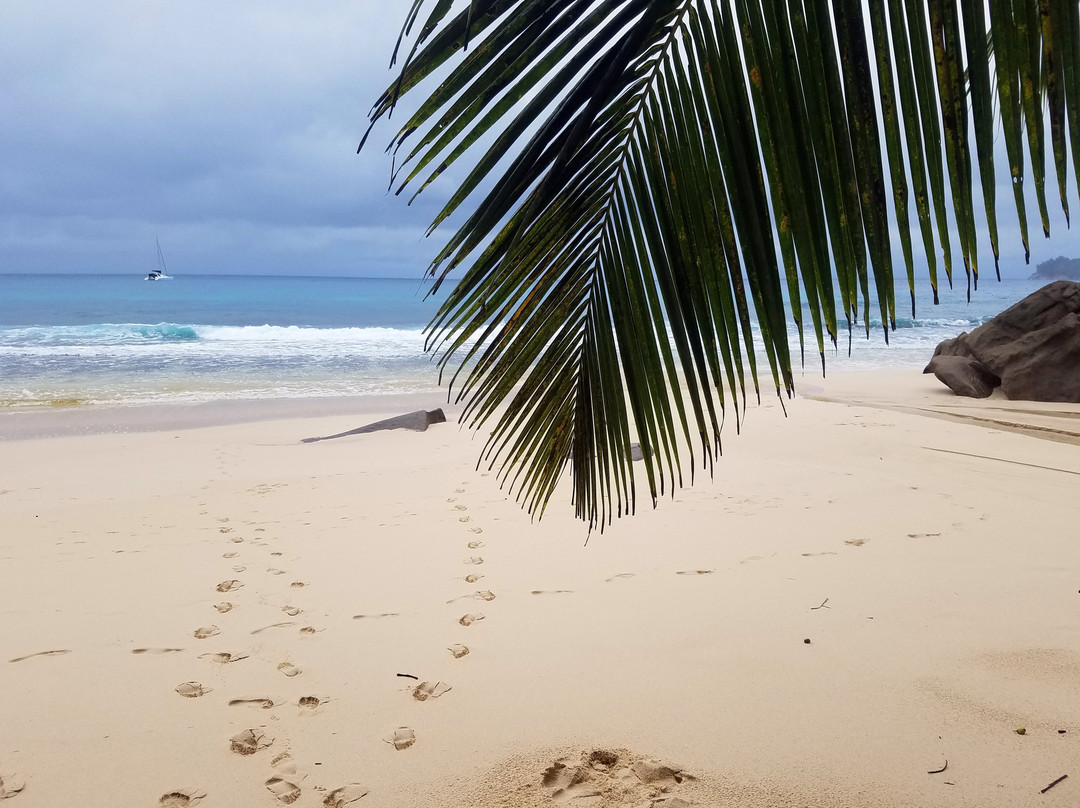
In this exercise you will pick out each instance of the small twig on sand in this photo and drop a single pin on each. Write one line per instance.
(1044, 790)
(939, 771)
(409, 676)
(822, 606)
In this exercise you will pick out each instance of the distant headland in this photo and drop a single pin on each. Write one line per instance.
(1057, 269)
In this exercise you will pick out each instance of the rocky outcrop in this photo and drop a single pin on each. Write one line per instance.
(964, 376)
(1033, 348)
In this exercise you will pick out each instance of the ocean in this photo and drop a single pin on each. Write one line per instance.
(116, 340)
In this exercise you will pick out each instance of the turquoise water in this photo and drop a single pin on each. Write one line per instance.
(111, 339)
(121, 340)
(220, 300)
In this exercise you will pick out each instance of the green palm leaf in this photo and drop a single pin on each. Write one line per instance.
(652, 190)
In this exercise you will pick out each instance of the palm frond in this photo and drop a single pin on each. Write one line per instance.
(660, 180)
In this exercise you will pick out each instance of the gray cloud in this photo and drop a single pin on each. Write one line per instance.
(230, 130)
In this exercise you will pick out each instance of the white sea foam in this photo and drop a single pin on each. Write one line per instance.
(183, 360)
(138, 363)
(142, 333)
(231, 344)
(303, 335)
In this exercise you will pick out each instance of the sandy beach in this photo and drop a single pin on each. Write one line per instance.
(864, 606)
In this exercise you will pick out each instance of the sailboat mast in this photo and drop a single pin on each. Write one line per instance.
(160, 257)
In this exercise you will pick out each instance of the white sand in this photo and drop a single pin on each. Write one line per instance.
(933, 562)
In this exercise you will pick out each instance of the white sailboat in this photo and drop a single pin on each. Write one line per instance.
(160, 272)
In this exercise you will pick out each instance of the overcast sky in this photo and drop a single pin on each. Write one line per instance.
(229, 130)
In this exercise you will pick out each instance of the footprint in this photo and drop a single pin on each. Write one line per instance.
(289, 669)
(475, 545)
(429, 690)
(59, 652)
(474, 560)
(695, 572)
(275, 571)
(223, 657)
(292, 611)
(461, 508)
(345, 796)
(401, 738)
(485, 594)
(273, 625)
(617, 577)
(224, 530)
(239, 568)
(654, 772)
(855, 542)
(10, 785)
(224, 607)
(192, 690)
(469, 619)
(152, 651)
(286, 791)
(236, 539)
(476, 530)
(588, 778)
(297, 584)
(203, 632)
(229, 586)
(310, 702)
(181, 798)
(229, 555)
(464, 518)
(261, 703)
(223, 519)
(458, 650)
(308, 630)
(552, 592)
(275, 554)
(562, 776)
(374, 616)
(249, 741)
(472, 578)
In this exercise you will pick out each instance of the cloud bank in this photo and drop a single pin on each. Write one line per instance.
(229, 130)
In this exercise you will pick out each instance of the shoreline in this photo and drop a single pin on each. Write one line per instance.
(931, 565)
(31, 424)
(900, 389)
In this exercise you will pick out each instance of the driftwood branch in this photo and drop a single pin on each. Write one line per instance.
(417, 421)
